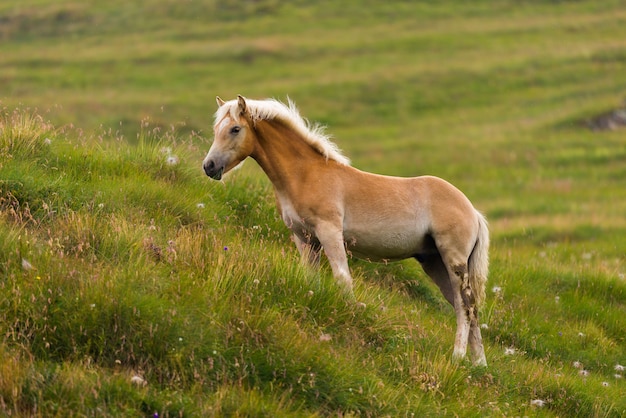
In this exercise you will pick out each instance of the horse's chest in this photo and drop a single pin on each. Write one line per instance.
(294, 220)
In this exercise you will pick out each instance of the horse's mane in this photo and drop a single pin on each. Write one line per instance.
(288, 114)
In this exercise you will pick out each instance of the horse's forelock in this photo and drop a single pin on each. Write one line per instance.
(222, 111)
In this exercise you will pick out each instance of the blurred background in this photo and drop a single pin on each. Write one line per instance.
(497, 96)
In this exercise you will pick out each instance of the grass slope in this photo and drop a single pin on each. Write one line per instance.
(132, 285)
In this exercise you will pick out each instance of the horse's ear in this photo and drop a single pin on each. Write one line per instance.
(219, 101)
(242, 104)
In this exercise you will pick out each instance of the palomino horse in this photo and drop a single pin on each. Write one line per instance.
(327, 204)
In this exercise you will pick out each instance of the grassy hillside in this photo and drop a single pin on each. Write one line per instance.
(131, 285)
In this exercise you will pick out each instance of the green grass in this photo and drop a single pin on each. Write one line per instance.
(143, 267)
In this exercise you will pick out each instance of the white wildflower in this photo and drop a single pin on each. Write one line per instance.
(200, 205)
(138, 380)
(496, 289)
(583, 373)
(619, 368)
(617, 376)
(171, 160)
(26, 265)
(577, 365)
(605, 384)
(557, 299)
(47, 141)
(580, 334)
(539, 403)
(484, 326)
(509, 351)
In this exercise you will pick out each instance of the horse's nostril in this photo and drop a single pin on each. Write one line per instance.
(209, 167)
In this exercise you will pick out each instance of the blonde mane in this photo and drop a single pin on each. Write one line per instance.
(288, 114)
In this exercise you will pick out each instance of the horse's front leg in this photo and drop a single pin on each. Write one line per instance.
(330, 236)
(309, 249)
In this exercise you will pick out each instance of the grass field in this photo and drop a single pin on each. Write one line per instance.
(132, 285)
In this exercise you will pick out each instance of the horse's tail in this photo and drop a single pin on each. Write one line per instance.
(478, 263)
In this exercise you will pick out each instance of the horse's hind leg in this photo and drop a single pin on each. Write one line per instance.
(434, 266)
(476, 343)
(460, 296)
(436, 270)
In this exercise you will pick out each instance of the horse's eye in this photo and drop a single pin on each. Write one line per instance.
(235, 130)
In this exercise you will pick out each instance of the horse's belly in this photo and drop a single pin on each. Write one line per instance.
(389, 244)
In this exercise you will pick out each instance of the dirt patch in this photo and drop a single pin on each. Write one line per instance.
(609, 121)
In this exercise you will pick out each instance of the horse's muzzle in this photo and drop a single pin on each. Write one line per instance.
(212, 170)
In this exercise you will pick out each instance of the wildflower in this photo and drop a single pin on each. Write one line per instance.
(200, 205)
(256, 282)
(617, 376)
(325, 337)
(581, 335)
(509, 351)
(47, 141)
(484, 326)
(138, 380)
(539, 403)
(583, 373)
(100, 205)
(496, 289)
(619, 368)
(26, 265)
(605, 384)
(171, 160)
(577, 365)
(557, 299)
(225, 248)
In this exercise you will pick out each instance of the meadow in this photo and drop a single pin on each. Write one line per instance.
(132, 285)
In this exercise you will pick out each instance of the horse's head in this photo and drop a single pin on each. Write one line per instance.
(234, 138)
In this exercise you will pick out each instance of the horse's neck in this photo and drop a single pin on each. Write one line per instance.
(283, 155)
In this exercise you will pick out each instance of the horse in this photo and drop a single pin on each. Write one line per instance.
(329, 205)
